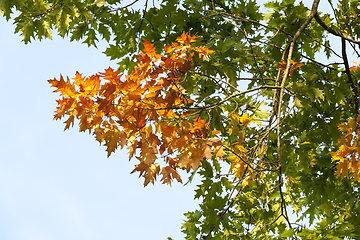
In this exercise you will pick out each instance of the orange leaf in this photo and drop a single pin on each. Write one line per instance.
(150, 50)
(342, 168)
(219, 151)
(168, 49)
(111, 76)
(207, 152)
(213, 132)
(353, 68)
(69, 122)
(186, 38)
(169, 173)
(150, 172)
(204, 52)
(297, 65)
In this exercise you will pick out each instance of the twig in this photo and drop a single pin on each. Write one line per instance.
(130, 4)
(347, 71)
(280, 98)
(52, 8)
(331, 30)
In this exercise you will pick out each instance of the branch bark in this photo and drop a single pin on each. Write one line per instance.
(331, 30)
(288, 55)
(347, 71)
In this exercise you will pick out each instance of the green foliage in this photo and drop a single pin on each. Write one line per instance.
(288, 189)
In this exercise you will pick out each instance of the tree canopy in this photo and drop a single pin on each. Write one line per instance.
(258, 98)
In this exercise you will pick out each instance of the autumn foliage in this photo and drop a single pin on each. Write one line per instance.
(149, 112)
(349, 151)
(144, 111)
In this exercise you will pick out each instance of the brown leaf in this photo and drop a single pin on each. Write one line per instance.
(281, 66)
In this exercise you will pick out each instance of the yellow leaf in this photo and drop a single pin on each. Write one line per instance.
(246, 120)
(241, 137)
(219, 151)
(239, 149)
(342, 168)
(233, 124)
(247, 181)
(352, 124)
(237, 166)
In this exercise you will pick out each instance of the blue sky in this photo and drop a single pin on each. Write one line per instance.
(61, 185)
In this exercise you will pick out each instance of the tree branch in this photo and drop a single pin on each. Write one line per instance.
(331, 30)
(280, 97)
(347, 71)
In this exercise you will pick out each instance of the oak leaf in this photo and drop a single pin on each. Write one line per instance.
(168, 173)
(186, 39)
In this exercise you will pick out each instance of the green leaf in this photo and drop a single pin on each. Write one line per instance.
(191, 177)
(287, 233)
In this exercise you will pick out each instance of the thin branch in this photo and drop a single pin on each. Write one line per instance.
(143, 17)
(331, 30)
(253, 54)
(130, 4)
(353, 47)
(347, 71)
(50, 9)
(229, 149)
(234, 95)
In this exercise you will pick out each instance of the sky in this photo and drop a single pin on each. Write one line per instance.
(60, 185)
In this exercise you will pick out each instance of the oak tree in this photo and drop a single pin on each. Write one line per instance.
(258, 98)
